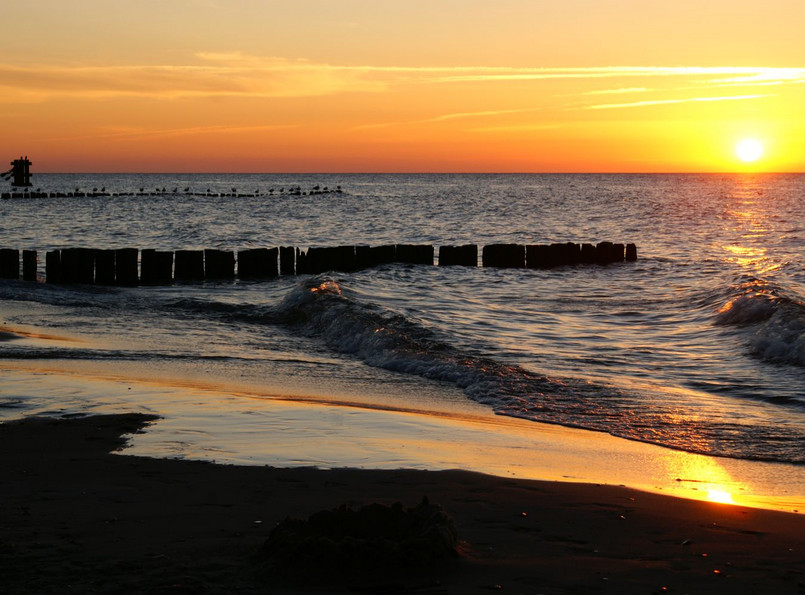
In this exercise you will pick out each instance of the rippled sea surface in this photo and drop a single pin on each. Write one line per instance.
(699, 345)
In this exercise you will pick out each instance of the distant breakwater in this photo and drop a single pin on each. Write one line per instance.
(176, 191)
(131, 266)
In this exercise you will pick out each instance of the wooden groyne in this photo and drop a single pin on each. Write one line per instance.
(185, 192)
(131, 266)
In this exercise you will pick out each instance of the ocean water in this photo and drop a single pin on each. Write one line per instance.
(698, 346)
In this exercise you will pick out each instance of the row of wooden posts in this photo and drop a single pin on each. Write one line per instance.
(130, 266)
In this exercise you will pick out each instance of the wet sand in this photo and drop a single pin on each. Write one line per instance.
(76, 519)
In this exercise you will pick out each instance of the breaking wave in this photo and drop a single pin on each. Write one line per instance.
(321, 308)
(773, 324)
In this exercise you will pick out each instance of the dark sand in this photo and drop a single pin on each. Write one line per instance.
(75, 519)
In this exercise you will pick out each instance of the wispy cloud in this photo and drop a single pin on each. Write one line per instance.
(622, 91)
(210, 74)
(445, 118)
(674, 101)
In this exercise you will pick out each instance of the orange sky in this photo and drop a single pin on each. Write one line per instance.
(408, 86)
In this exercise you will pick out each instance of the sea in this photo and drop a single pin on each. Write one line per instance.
(696, 347)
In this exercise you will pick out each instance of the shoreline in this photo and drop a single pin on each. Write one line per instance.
(78, 519)
(215, 422)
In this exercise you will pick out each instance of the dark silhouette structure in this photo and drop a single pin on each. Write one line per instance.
(120, 266)
(20, 172)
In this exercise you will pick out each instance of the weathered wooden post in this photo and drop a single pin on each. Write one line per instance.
(105, 267)
(380, 255)
(287, 260)
(536, 256)
(257, 263)
(345, 260)
(631, 252)
(415, 254)
(588, 254)
(156, 267)
(53, 266)
(311, 262)
(219, 264)
(78, 265)
(29, 265)
(126, 266)
(466, 255)
(9, 263)
(189, 265)
(302, 264)
(570, 253)
(504, 256)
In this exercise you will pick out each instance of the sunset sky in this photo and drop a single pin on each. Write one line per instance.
(402, 86)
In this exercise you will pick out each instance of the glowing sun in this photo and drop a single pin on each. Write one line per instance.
(749, 150)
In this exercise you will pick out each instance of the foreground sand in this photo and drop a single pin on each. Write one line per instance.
(75, 519)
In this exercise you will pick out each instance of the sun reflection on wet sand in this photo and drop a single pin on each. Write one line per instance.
(720, 496)
(705, 478)
(260, 428)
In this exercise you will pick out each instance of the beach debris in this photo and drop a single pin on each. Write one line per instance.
(373, 542)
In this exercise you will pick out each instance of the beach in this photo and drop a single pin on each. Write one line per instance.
(77, 519)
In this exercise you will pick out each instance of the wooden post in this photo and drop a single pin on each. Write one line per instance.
(53, 266)
(157, 267)
(257, 263)
(29, 265)
(631, 252)
(219, 264)
(302, 266)
(189, 265)
(287, 260)
(126, 266)
(345, 260)
(78, 265)
(504, 256)
(9, 263)
(105, 267)
(588, 254)
(415, 254)
(603, 253)
(380, 255)
(466, 255)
